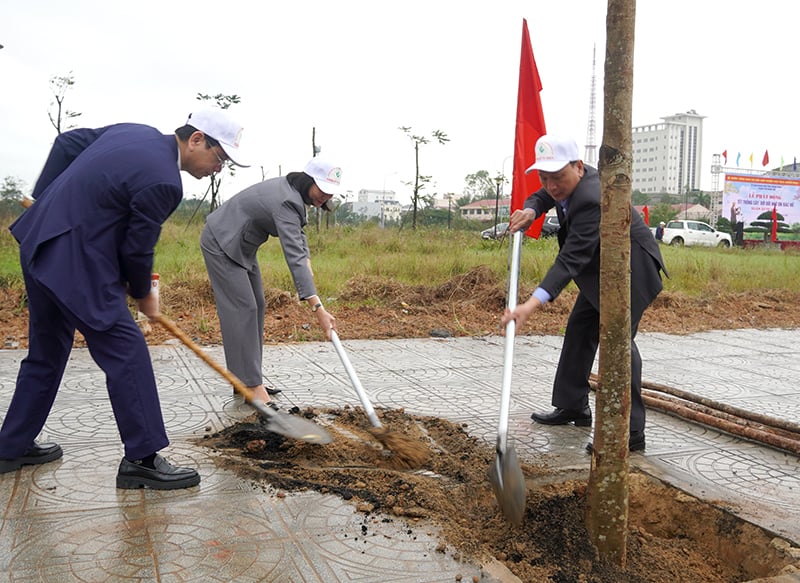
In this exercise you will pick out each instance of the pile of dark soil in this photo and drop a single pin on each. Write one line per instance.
(673, 537)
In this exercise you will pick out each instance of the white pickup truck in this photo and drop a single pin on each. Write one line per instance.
(694, 233)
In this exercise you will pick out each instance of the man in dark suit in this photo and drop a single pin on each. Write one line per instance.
(574, 190)
(86, 244)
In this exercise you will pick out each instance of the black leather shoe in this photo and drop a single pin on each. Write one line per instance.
(35, 455)
(164, 476)
(581, 418)
(636, 442)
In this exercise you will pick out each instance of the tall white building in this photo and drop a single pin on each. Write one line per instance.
(667, 156)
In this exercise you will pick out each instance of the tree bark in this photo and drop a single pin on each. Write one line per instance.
(607, 496)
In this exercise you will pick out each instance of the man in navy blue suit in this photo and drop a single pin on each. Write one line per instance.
(86, 244)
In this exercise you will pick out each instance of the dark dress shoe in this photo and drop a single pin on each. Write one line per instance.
(582, 418)
(164, 476)
(35, 455)
(636, 442)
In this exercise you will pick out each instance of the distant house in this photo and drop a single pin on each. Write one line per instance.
(696, 212)
(444, 203)
(484, 209)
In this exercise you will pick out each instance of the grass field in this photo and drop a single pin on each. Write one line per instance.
(430, 257)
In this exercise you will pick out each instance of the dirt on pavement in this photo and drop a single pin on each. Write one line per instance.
(673, 537)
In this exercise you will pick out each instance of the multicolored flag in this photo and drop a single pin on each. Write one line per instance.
(530, 127)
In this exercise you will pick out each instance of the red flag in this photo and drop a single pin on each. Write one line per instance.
(530, 127)
(774, 223)
(646, 213)
(725, 156)
(765, 161)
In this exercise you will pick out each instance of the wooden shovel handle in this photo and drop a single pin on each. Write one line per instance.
(238, 385)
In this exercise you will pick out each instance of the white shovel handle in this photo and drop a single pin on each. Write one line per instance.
(508, 350)
(362, 394)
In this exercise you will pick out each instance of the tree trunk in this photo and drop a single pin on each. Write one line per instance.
(607, 496)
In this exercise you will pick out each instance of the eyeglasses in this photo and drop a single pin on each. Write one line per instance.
(222, 162)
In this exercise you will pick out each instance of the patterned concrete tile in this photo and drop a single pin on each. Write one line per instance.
(66, 521)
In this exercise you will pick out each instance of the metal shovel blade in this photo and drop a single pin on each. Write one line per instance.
(291, 426)
(508, 484)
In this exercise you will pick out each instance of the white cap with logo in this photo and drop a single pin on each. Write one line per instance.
(217, 124)
(553, 153)
(327, 176)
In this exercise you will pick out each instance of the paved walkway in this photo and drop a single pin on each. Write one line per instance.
(65, 521)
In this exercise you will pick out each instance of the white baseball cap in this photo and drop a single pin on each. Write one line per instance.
(327, 176)
(553, 153)
(217, 124)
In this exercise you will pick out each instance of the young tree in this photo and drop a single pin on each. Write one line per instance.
(223, 102)
(607, 494)
(662, 212)
(59, 85)
(419, 180)
(701, 198)
(640, 198)
(479, 186)
(10, 196)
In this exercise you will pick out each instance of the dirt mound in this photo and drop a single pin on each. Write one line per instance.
(673, 537)
(468, 304)
(479, 286)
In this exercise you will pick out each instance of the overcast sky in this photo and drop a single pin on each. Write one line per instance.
(357, 70)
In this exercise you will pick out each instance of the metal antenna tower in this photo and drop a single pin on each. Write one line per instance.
(590, 155)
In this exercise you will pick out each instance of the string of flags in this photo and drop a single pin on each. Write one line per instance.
(764, 159)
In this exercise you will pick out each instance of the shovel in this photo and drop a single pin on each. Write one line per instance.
(407, 452)
(276, 422)
(505, 474)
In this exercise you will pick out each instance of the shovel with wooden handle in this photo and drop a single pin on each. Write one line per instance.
(277, 422)
(505, 474)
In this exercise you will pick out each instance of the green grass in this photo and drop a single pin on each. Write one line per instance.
(433, 256)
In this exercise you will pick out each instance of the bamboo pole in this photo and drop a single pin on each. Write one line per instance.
(780, 442)
(770, 431)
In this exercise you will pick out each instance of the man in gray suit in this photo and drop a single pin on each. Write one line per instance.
(574, 190)
(229, 242)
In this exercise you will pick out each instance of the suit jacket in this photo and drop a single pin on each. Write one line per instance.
(272, 208)
(579, 246)
(100, 202)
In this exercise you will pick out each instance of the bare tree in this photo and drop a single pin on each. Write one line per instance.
(419, 180)
(59, 85)
(223, 102)
(607, 497)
